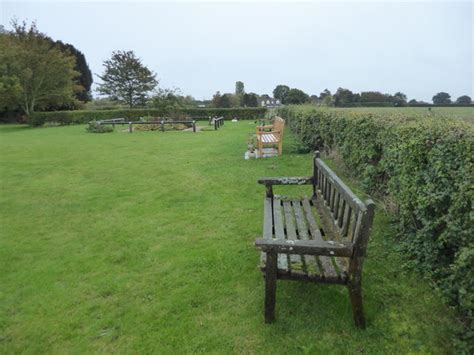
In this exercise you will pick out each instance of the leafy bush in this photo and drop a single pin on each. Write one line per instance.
(425, 165)
(74, 117)
(95, 127)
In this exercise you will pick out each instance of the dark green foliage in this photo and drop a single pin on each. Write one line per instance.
(426, 166)
(85, 75)
(281, 92)
(74, 117)
(442, 98)
(239, 88)
(463, 100)
(324, 94)
(216, 99)
(295, 97)
(399, 99)
(250, 100)
(343, 97)
(95, 127)
(225, 101)
(170, 100)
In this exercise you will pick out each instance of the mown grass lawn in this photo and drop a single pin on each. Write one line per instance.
(143, 242)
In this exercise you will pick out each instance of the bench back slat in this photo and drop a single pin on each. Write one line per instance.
(340, 204)
(278, 124)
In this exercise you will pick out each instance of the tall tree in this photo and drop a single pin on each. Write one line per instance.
(323, 94)
(226, 101)
(296, 96)
(35, 73)
(239, 88)
(442, 98)
(343, 97)
(464, 100)
(399, 99)
(85, 75)
(216, 99)
(280, 92)
(126, 79)
(250, 100)
(372, 97)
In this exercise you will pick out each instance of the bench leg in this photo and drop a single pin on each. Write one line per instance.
(355, 294)
(270, 287)
(280, 147)
(260, 149)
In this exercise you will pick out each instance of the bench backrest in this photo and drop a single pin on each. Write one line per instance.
(279, 124)
(350, 218)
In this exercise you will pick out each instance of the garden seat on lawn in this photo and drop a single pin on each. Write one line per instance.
(320, 239)
(271, 135)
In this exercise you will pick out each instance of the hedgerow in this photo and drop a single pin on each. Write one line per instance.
(82, 116)
(425, 166)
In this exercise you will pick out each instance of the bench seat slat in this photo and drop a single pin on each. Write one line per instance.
(268, 138)
(328, 268)
(296, 261)
(310, 261)
(279, 232)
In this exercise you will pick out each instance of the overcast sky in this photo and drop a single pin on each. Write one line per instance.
(418, 48)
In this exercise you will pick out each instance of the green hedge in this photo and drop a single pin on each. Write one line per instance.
(71, 117)
(425, 167)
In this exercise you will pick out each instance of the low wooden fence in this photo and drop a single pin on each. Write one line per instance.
(162, 123)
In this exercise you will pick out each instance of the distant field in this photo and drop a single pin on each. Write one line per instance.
(463, 113)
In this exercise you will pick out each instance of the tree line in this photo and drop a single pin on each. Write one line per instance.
(346, 98)
(38, 73)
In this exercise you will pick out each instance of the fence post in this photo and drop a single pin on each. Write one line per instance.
(130, 127)
(162, 126)
(215, 123)
(194, 126)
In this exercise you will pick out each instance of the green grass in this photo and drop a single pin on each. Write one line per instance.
(143, 243)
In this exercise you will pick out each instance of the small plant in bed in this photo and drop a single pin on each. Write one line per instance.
(96, 127)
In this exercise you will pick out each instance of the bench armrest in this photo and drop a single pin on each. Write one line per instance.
(289, 180)
(307, 247)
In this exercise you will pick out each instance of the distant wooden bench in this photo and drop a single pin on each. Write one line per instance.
(271, 135)
(320, 239)
(216, 121)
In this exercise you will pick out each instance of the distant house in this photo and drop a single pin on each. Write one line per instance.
(270, 102)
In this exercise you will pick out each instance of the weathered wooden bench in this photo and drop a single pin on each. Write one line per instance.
(320, 239)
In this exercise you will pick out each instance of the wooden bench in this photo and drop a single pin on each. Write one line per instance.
(271, 135)
(320, 239)
(216, 121)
